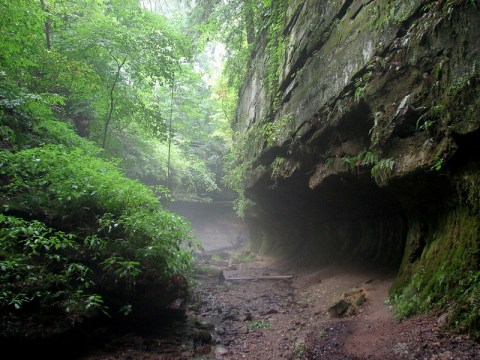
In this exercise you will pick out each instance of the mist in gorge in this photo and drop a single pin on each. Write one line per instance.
(215, 225)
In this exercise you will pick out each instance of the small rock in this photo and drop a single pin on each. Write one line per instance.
(442, 320)
(246, 317)
(339, 308)
(229, 317)
(203, 325)
(220, 351)
(360, 300)
(271, 311)
(232, 332)
(202, 335)
(194, 307)
(243, 330)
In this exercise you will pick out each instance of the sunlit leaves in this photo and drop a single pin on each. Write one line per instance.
(66, 186)
(119, 38)
(21, 35)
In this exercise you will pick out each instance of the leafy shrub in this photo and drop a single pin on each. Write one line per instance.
(57, 178)
(70, 188)
(112, 232)
(37, 273)
(49, 131)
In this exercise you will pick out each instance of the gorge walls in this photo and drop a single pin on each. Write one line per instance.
(359, 120)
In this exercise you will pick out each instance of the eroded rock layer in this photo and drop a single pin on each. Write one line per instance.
(373, 142)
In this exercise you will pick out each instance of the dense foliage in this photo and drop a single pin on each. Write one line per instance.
(87, 89)
(75, 226)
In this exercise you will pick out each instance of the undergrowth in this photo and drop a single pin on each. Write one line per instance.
(75, 228)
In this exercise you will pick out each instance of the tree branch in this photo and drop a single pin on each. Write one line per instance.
(108, 116)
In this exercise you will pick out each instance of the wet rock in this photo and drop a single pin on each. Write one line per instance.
(206, 270)
(201, 335)
(339, 308)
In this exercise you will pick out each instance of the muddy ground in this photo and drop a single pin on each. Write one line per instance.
(239, 309)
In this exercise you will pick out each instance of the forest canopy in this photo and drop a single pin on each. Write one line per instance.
(106, 112)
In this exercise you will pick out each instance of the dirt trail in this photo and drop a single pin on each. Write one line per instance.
(272, 319)
(289, 319)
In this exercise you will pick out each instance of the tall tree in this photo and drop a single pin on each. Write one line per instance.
(48, 26)
(130, 49)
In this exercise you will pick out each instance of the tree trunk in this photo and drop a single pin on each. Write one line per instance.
(108, 116)
(170, 134)
(48, 26)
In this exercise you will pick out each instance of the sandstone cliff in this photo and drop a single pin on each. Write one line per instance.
(364, 143)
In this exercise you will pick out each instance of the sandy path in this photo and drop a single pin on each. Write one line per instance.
(289, 319)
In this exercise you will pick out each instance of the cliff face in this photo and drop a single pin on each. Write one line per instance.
(366, 148)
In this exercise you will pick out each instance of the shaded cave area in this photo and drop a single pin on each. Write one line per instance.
(423, 219)
(347, 219)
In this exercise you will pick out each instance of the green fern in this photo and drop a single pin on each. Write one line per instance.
(383, 170)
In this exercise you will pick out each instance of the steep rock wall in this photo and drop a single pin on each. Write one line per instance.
(367, 148)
